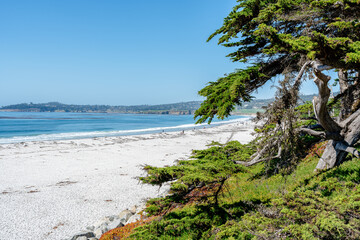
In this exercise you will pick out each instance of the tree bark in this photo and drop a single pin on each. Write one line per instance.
(344, 135)
(346, 101)
(331, 156)
(320, 104)
(335, 153)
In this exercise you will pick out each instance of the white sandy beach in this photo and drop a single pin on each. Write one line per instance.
(54, 189)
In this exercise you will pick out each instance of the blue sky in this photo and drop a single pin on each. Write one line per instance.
(112, 52)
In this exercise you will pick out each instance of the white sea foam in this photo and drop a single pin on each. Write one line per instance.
(81, 135)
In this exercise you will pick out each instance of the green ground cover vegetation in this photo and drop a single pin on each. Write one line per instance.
(213, 197)
(268, 189)
(249, 205)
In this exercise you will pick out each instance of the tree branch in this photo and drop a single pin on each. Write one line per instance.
(345, 101)
(316, 64)
(216, 195)
(320, 102)
(322, 134)
(342, 146)
(313, 132)
(350, 119)
(300, 74)
(255, 161)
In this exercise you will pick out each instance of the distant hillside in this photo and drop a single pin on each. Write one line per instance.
(175, 108)
(257, 105)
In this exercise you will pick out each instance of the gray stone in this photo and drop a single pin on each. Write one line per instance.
(82, 238)
(142, 206)
(83, 234)
(133, 209)
(104, 228)
(90, 228)
(98, 232)
(134, 218)
(115, 224)
(124, 216)
(93, 238)
(111, 218)
(101, 222)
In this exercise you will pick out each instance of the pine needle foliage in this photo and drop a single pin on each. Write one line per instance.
(198, 184)
(210, 167)
(322, 206)
(283, 39)
(274, 37)
(303, 205)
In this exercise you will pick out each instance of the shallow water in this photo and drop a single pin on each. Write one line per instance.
(33, 126)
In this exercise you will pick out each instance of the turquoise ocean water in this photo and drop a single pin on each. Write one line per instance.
(30, 126)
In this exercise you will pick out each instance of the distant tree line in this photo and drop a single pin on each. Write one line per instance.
(174, 108)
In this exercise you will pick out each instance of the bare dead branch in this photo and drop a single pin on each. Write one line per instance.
(314, 108)
(264, 150)
(346, 102)
(322, 134)
(255, 161)
(300, 74)
(252, 162)
(313, 132)
(350, 119)
(316, 64)
(342, 146)
(320, 102)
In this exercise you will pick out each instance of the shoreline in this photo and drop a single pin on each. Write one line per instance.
(63, 136)
(54, 189)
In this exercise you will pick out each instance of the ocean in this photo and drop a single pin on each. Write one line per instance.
(18, 127)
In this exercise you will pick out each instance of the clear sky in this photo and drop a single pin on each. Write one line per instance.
(112, 52)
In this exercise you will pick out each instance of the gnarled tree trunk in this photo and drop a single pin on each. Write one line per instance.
(336, 151)
(343, 135)
(347, 100)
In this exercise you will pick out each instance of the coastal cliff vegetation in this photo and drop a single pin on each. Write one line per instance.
(292, 41)
(268, 189)
(212, 197)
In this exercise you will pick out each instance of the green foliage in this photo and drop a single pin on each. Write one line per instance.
(322, 206)
(280, 144)
(354, 55)
(193, 222)
(224, 94)
(335, 107)
(277, 37)
(274, 37)
(211, 166)
(194, 181)
(305, 110)
(280, 37)
(303, 205)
